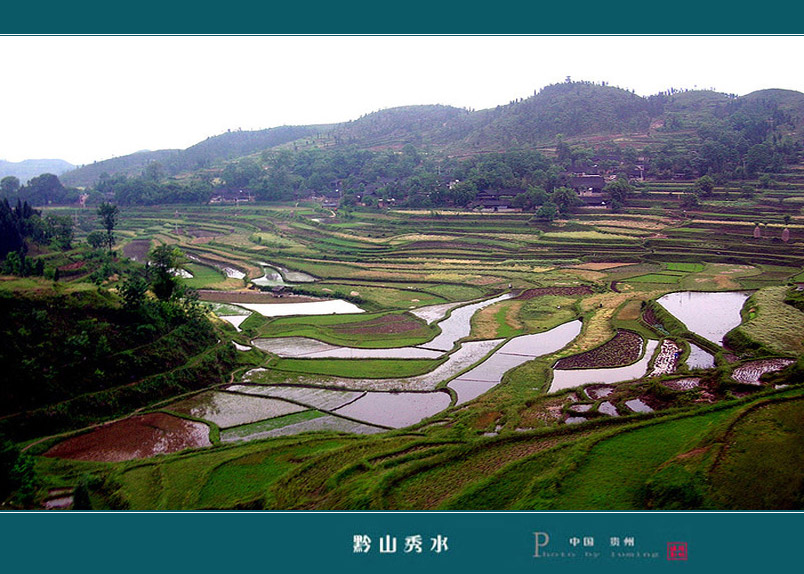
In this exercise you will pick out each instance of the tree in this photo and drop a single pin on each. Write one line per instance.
(44, 189)
(164, 259)
(565, 198)
(548, 211)
(704, 185)
(689, 201)
(96, 239)
(9, 185)
(619, 190)
(60, 230)
(133, 291)
(108, 214)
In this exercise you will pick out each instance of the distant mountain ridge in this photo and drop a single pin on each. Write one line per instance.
(225, 146)
(570, 110)
(26, 169)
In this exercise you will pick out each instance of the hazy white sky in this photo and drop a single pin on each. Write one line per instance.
(91, 98)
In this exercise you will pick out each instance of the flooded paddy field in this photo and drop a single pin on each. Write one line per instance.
(321, 423)
(666, 359)
(136, 437)
(458, 324)
(395, 410)
(566, 379)
(434, 313)
(229, 409)
(515, 352)
(710, 315)
(699, 359)
(311, 349)
(750, 373)
(314, 397)
(335, 306)
(465, 356)
(683, 384)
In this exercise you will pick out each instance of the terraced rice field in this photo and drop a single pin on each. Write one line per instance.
(459, 361)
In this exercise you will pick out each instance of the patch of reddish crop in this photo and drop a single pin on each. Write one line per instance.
(136, 437)
(250, 297)
(622, 349)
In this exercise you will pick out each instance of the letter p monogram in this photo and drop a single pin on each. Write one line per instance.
(541, 540)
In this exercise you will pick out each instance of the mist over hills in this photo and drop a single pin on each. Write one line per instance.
(573, 111)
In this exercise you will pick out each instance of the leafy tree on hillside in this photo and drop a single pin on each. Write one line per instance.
(705, 185)
(531, 199)
(43, 189)
(548, 211)
(96, 239)
(619, 190)
(9, 186)
(59, 229)
(109, 214)
(565, 198)
(163, 262)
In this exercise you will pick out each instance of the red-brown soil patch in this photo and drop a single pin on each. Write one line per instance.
(650, 318)
(566, 291)
(385, 325)
(136, 437)
(251, 297)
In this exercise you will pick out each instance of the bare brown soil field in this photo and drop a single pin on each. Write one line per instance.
(137, 249)
(136, 437)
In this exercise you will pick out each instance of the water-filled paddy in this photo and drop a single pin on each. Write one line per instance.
(235, 320)
(433, 313)
(710, 315)
(325, 423)
(465, 356)
(229, 409)
(566, 379)
(517, 351)
(396, 410)
(318, 398)
(458, 324)
(666, 359)
(607, 408)
(638, 406)
(700, 359)
(683, 384)
(749, 373)
(334, 306)
(311, 349)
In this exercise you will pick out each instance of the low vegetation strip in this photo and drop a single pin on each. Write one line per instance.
(777, 326)
(623, 349)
